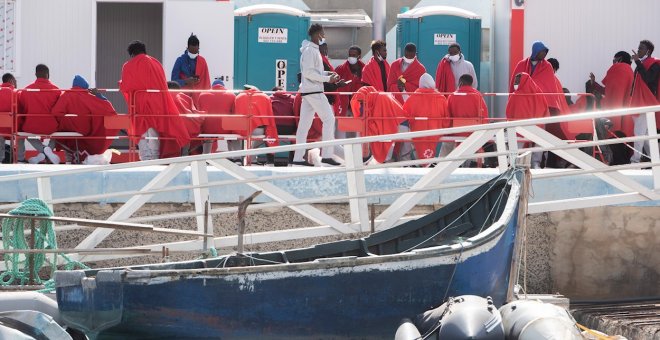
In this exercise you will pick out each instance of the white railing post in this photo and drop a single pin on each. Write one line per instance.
(500, 143)
(201, 196)
(653, 148)
(512, 140)
(44, 191)
(356, 186)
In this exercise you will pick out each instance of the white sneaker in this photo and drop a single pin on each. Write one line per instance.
(52, 157)
(37, 159)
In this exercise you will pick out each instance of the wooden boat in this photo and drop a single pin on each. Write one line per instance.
(350, 289)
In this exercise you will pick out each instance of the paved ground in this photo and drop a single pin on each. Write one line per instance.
(639, 320)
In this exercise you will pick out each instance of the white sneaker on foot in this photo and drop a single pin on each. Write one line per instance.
(52, 157)
(37, 159)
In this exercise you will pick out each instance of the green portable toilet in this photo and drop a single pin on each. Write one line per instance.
(434, 28)
(267, 42)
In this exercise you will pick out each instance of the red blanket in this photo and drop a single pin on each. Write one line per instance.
(411, 76)
(6, 92)
(257, 104)
(89, 122)
(379, 108)
(544, 77)
(524, 104)
(37, 107)
(344, 72)
(371, 75)
(467, 102)
(216, 103)
(642, 95)
(618, 84)
(429, 104)
(152, 110)
(444, 77)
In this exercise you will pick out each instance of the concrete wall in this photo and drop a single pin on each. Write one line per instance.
(596, 253)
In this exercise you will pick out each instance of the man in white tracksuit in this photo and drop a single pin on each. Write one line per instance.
(313, 99)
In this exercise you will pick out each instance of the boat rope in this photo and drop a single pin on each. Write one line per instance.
(21, 267)
(597, 335)
(510, 176)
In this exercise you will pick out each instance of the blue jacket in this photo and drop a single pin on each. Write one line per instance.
(184, 67)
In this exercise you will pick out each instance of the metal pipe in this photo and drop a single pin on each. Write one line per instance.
(379, 19)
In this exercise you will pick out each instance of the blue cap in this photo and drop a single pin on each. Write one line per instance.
(79, 81)
(218, 82)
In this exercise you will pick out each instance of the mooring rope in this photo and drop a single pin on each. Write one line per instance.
(19, 266)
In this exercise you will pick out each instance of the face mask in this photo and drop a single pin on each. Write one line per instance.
(192, 55)
(379, 57)
(515, 87)
(408, 61)
(321, 41)
(534, 62)
(352, 60)
(455, 58)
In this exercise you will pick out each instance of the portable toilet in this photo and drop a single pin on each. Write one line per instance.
(434, 28)
(267, 42)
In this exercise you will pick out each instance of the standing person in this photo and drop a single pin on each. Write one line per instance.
(90, 108)
(313, 100)
(616, 89)
(375, 72)
(215, 103)
(191, 70)
(6, 92)
(465, 103)
(645, 92)
(405, 73)
(543, 75)
(350, 70)
(156, 114)
(426, 102)
(38, 119)
(451, 67)
(525, 104)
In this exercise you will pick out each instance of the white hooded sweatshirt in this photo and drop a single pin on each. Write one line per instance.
(311, 66)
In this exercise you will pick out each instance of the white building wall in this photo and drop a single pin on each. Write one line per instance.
(57, 33)
(584, 35)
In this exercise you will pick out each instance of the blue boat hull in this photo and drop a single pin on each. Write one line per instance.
(345, 297)
(348, 305)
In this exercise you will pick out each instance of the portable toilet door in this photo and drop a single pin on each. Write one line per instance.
(267, 41)
(434, 28)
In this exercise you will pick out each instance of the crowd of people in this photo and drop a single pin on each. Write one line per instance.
(397, 97)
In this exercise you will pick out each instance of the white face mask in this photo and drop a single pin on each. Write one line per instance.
(352, 60)
(408, 61)
(534, 62)
(321, 41)
(379, 57)
(515, 87)
(192, 55)
(455, 58)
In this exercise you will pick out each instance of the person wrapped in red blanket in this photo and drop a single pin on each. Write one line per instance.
(253, 102)
(451, 67)
(645, 93)
(377, 69)
(156, 114)
(525, 104)
(380, 110)
(466, 104)
(190, 70)
(616, 89)
(429, 104)
(7, 90)
(36, 107)
(215, 103)
(89, 107)
(350, 70)
(191, 118)
(405, 73)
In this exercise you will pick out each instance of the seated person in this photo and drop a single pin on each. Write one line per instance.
(89, 107)
(186, 106)
(428, 103)
(215, 103)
